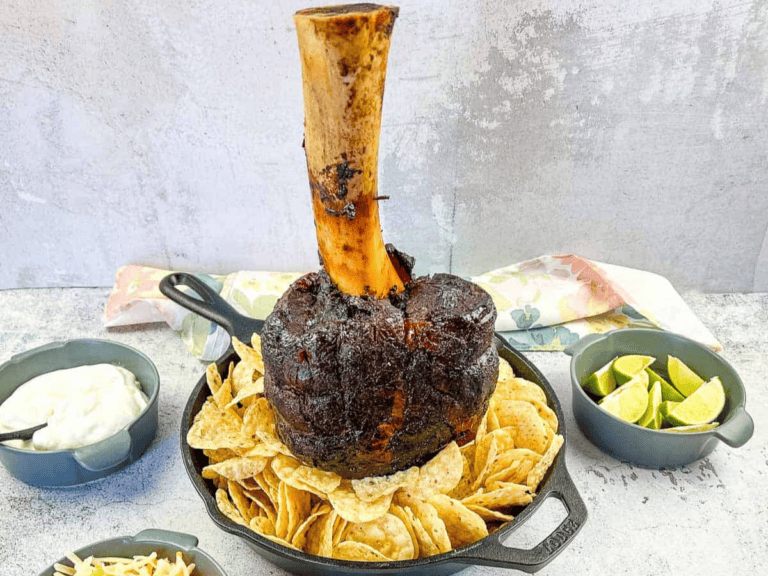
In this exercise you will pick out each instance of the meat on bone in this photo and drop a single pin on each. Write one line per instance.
(369, 370)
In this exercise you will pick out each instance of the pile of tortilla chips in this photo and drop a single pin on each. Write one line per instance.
(454, 499)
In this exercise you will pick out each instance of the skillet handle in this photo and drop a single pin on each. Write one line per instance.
(491, 552)
(210, 305)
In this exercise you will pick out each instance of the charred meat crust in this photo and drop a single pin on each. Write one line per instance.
(364, 386)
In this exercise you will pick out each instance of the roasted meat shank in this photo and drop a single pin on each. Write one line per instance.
(369, 370)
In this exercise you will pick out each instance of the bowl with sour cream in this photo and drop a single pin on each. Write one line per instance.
(99, 399)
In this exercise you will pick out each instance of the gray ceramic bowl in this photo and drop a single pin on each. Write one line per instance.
(79, 465)
(164, 542)
(638, 445)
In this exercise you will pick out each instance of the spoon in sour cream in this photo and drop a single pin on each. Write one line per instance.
(25, 434)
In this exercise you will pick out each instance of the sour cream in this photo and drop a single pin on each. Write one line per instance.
(82, 406)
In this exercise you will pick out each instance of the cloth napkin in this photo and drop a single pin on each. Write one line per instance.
(546, 303)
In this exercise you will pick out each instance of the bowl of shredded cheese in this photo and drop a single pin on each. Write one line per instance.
(151, 552)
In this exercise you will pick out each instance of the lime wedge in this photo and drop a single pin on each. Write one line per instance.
(666, 407)
(693, 428)
(601, 382)
(701, 407)
(627, 367)
(628, 402)
(668, 391)
(645, 379)
(683, 378)
(652, 417)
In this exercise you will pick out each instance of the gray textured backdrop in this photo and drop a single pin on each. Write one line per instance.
(169, 134)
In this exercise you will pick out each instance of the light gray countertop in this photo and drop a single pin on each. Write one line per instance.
(710, 517)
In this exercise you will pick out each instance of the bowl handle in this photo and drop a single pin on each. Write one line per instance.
(738, 430)
(582, 343)
(102, 456)
(178, 539)
(491, 552)
(21, 356)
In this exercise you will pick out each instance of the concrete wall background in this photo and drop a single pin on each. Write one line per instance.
(169, 134)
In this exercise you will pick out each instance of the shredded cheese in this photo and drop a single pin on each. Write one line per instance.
(137, 566)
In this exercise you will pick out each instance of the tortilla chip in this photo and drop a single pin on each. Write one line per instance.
(259, 417)
(490, 515)
(244, 375)
(319, 537)
(386, 534)
(223, 396)
(256, 345)
(339, 527)
(427, 515)
(242, 503)
(525, 419)
(250, 355)
(352, 508)
(509, 495)
(219, 455)
(464, 487)
(485, 454)
(263, 501)
(503, 440)
(537, 473)
(238, 468)
(216, 429)
(493, 421)
(293, 507)
(426, 546)
(546, 413)
(259, 421)
(482, 428)
(281, 523)
(518, 389)
(373, 488)
(260, 450)
(302, 477)
(512, 466)
(269, 483)
(358, 552)
(505, 370)
(213, 378)
(440, 475)
(227, 508)
(249, 484)
(462, 524)
(468, 450)
(299, 505)
(406, 517)
(263, 525)
(299, 538)
(280, 541)
(252, 390)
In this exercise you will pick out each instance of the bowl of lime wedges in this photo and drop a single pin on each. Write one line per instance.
(654, 398)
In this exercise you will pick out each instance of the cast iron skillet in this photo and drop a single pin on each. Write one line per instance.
(487, 552)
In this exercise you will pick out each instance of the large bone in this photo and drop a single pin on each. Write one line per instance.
(344, 58)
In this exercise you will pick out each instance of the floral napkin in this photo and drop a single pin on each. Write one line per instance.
(546, 303)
